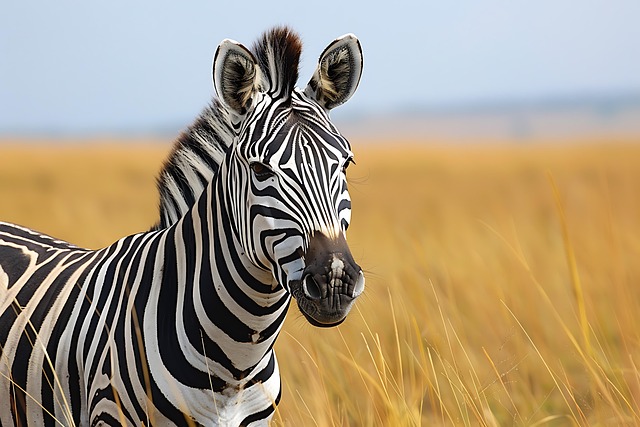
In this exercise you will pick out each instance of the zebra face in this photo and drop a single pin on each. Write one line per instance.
(287, 170)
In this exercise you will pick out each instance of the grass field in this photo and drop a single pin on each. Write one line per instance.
(503, 280)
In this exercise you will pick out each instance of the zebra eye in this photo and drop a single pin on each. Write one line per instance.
(261, 170)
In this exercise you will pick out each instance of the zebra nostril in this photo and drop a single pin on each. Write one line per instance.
(311, 288)
(359, 286)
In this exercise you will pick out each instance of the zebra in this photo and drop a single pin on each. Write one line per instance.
(176, 325)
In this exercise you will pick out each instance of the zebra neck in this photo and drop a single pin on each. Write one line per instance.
(229, 307)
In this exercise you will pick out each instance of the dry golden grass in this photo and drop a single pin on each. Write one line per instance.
(502, 280)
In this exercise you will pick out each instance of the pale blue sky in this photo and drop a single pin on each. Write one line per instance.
(85, 66)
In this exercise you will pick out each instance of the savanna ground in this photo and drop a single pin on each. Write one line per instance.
(503, 280)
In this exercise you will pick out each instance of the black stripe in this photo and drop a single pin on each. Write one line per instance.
(113, 273)
(141, 298)
(29, 236)
(61, 325)
(172, 357)
(130, 271)
(48, 380)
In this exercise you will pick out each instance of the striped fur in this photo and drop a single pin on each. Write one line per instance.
(176, 326)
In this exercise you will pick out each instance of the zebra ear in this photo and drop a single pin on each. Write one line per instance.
(235, 76)
(338, 73)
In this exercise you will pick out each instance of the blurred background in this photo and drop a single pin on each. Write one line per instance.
(459, 70)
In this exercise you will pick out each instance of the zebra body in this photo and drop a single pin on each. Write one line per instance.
(94, 329)
(176, 326)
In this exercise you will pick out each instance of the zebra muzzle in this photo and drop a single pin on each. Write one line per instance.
(330, 283)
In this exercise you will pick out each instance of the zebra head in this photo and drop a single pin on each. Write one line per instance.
(287, 195)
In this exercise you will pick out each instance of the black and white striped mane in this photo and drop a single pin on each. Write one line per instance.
(199, 150)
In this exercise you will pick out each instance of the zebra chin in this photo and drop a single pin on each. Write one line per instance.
(330, 283)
